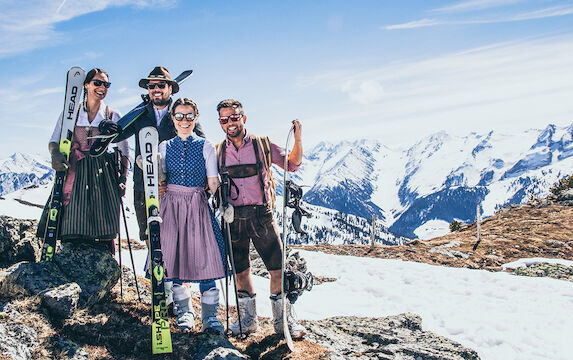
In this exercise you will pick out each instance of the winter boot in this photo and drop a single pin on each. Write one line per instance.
(168, 285)
(209, 310)
(183, 308)
(248, 312)
(297, 331)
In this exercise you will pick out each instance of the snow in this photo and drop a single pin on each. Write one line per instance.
(500, 315)
(532, 261)
(431, 229)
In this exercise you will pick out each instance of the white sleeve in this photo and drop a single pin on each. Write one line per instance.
(210, 156)
(57, 130)
(162, 150)
(123, 145)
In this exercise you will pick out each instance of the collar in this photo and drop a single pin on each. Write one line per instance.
(246, 140)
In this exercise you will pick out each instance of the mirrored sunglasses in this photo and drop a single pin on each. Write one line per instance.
(181, 116)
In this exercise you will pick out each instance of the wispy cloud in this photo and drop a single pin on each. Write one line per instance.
(504, 86)
(523, 16)
(472, 5)
(28, 26)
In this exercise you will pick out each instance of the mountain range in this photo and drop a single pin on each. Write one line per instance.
(414, 191)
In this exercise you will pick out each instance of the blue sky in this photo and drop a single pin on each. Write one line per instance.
(396, 71)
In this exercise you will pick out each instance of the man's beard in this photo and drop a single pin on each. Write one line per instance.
(160, 102)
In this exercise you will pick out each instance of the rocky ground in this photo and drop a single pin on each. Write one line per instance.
(71, 308)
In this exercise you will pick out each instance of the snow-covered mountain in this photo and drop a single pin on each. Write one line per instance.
(22, 170)
(413, 191)
(423, 188)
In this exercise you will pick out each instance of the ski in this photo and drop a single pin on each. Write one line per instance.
(102, 142)
(74, 87)
(286, 330)
(160, 331)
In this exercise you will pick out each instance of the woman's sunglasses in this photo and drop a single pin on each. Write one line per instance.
(99, 83)
(181, 116)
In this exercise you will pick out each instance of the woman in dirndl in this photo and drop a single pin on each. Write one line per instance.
(94, 185)
(191, 240)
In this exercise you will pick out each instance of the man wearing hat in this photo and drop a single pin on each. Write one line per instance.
(160, 87)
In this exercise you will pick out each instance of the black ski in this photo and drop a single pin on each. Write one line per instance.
(102, 142)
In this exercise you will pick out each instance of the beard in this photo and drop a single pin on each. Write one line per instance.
(160, 102)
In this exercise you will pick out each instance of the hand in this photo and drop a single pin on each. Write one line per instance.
(59, 162)
(122, 180)
(162, 189)
(297, 129)
(108, 127)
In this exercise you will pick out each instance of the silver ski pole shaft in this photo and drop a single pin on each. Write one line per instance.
(130, 251)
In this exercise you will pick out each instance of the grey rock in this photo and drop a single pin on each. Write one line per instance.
(63, 300)
(392, 337)
(449, 253)
(17, 340)
(71, 350)
(94, 270)
(212, 346)
(18, 241)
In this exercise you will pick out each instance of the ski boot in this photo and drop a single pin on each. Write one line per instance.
(297, 331)
(183, 308)
(248, 312)
(209, 310)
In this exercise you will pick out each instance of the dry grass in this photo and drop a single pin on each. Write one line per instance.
(506, 236)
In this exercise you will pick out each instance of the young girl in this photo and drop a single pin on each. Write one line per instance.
(191, 239)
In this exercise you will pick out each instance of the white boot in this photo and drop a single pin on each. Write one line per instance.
(209, 311)
(183, 308)
(248, 312)
(297, 331)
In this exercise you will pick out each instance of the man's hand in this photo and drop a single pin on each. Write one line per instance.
(297, 129)
(108, 127)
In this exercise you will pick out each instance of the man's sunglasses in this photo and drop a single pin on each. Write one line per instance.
(181, 116)
(160, 85)
(225, 119)
(99, 83)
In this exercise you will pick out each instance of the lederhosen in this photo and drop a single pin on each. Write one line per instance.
(252, 222)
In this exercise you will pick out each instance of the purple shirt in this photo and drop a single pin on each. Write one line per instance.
(250, 187)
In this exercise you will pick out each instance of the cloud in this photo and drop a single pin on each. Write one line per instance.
(24, 28)
(502, 86)
(476, 5)
(530, 15)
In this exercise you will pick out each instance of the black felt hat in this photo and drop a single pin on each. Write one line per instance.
(160, 73)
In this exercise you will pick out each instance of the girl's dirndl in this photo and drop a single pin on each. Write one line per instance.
(191, 239)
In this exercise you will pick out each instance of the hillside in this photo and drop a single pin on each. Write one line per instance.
(542, 228)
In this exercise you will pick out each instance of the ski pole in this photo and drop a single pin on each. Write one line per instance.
(286, 330)
(120, 268)
(130, 252)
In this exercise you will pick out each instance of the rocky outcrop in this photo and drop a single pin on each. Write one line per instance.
(17, 241)
(17, 340)
(392, 337)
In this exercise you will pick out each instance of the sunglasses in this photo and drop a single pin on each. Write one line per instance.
(99, 83)
(181, 116)
(225, 119)
(160, 85)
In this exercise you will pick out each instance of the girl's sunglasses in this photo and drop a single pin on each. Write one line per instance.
(99, 83)
(225, 119)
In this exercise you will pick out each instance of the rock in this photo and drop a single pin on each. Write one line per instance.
(556, 271)
(17, 241)
(393, 337)
(72, 351)
(16, 339)
(63, 300)
(94, 270)
(294, 261)
(449, 253)
(212, 346)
